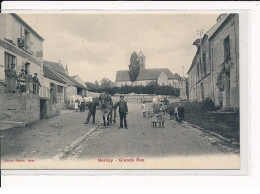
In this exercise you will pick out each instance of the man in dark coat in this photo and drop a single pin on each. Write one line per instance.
(92, 111)
(123, 111)
(181, 111)
(11, 79)
(36, 84)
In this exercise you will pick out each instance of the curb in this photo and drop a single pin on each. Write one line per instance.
(75, 144)
(210, 132)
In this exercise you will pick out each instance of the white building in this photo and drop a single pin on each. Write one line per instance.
(160, 76)
(21, 45)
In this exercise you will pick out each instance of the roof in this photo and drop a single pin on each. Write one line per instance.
(224, 21)
(54, 65)
(69, 79)
(26, 25)
(208, 35)
(146, 74)
(49, 73)
(217, 25)
(60, 72)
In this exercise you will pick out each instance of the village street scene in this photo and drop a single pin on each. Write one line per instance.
(78, 87)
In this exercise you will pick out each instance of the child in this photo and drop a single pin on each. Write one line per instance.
(160, 117)
(176, 113)
(155, 114)
(171, 111)
(76, 105)
(143, 109)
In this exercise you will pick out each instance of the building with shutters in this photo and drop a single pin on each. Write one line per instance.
(214, 72)
(21, 45)
(61, 85)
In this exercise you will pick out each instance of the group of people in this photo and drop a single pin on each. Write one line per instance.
(80, 105)
(159, 111)
(108, 108)
(23, 83)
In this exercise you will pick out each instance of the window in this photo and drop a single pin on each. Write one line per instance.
(53, 93)
(27, 68)
(9, 59)
(204, 63)
(227, 49)
(59, 93)
(27, 40)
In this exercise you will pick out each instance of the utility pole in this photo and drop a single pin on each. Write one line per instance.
(182, 71)
(199, 33)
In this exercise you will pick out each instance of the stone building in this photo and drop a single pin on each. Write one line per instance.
(214, 72)
(67, 86)
(160, 76)
(23, 46)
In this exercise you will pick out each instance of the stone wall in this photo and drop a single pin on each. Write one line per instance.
(20, 107)
(145, 97)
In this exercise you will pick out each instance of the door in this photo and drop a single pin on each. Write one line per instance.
(227, 90)
(202, 91)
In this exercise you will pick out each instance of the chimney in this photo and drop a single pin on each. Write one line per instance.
(221, 16)
(66, 70)
(60, 62)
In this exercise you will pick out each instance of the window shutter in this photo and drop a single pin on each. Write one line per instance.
(22, 32)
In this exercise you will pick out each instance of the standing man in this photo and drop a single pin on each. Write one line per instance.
(11, 79)
(92, 111)
(36, 84)
(181, 113)
(123, 111)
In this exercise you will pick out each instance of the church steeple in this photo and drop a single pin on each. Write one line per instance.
(141, 59)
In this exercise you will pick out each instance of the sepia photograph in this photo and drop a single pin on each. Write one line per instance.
(120, 90)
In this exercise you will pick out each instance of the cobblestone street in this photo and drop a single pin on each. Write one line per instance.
(66, 131)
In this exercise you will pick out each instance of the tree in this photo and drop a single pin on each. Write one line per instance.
(105, 83)
(96, 84)
(134, 67)
(90, 85)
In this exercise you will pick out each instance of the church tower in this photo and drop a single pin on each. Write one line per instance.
(141, 59)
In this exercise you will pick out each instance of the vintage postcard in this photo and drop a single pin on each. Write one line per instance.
(120, 90)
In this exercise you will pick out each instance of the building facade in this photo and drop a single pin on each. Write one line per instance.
(159, 76)
(21, 45)
(62, 86)
(214, 72)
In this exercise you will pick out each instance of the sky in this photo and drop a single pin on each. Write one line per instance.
(96, 45)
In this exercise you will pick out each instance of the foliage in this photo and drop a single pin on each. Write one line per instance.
(220, 81)
(92, 86)
(208, 104)
(149, 89)
(134, 67)
(105, 83)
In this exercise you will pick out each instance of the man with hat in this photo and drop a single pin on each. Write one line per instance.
(36, 84)
(22, 78)
(11, 79)
(123, 111)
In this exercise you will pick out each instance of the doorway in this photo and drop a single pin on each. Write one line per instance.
(43, 108)
(227, 89)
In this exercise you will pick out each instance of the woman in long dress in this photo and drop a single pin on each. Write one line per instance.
(11, 79)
